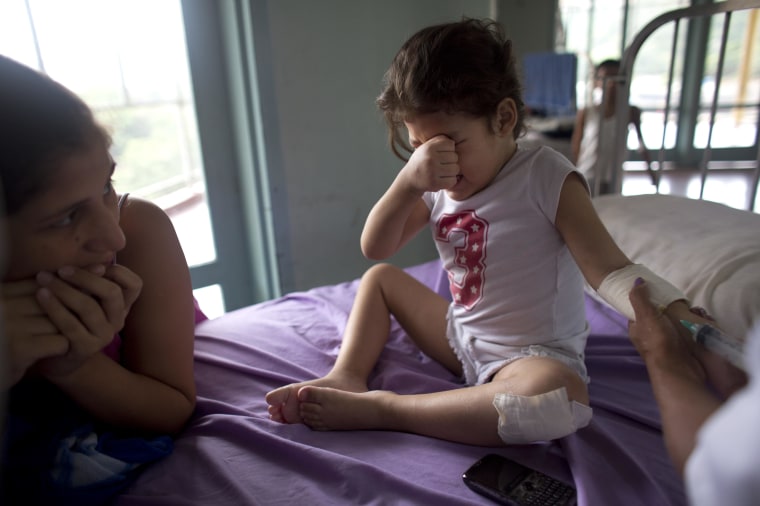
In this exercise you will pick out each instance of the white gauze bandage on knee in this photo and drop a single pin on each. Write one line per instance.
(617, 285)
(543, 417)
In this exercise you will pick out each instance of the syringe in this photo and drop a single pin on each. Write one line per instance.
(717, 342)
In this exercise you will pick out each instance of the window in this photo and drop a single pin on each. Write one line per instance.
(730, 130)
(597, 30)
(737, 111)
(128, 59)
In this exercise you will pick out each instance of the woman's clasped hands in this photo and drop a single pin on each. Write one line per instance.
(57, 321)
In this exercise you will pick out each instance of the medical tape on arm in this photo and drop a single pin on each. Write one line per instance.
(617, 285)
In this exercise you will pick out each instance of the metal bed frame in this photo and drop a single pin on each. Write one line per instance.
(623, 85)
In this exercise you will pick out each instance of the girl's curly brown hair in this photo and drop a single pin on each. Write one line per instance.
(465, 67)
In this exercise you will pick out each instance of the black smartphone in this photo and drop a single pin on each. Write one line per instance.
(508, 482)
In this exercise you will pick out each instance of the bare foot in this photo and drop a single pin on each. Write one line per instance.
(332, 409)
(284, 404)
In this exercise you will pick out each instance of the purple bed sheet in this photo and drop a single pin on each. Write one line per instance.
(231, 453)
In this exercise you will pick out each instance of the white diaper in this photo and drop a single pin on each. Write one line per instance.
(482, 358)
(543, 417)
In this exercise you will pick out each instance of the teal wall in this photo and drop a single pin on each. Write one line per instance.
(327, 147)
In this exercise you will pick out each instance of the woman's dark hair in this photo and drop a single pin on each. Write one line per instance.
(40, 123)
(462, 67)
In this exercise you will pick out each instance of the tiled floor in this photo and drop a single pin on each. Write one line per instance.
(725, 184)
(732, 187)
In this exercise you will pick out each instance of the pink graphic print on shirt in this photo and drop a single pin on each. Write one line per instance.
(467, 233)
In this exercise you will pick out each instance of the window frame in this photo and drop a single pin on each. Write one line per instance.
(224, 71)
(695, 51)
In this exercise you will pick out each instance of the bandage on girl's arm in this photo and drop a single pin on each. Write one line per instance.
(617, 285)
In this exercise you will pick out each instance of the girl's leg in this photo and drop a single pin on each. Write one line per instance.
(465, 415)
(384, 290)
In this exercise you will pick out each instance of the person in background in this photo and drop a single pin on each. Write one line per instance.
(97, 305)
(592, 145)
(711, 436)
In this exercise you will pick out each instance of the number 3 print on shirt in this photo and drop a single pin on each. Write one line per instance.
(467, 289)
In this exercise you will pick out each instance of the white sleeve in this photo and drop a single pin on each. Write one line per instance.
(723, 468)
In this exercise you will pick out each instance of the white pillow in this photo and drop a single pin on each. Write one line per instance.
(708, 250)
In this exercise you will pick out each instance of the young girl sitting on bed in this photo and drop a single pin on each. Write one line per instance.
(517, 233)
(97, 302)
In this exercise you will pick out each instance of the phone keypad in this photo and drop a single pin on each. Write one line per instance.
(538, 490)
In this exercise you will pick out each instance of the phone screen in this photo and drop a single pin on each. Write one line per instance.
(508, 482)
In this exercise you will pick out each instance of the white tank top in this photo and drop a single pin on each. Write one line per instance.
(512, 278)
